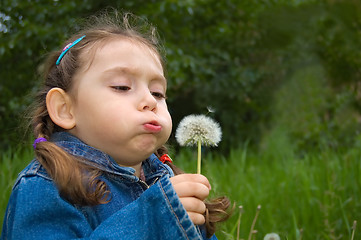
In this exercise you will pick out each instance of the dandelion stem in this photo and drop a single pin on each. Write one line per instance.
(239, 221)
(254, 232)
(353, 229)
(199, 157)
(254, 222)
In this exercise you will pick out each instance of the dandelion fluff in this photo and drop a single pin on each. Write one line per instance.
(195, 128)
(272, 236)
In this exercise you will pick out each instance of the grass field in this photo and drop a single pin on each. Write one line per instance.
(316, 196)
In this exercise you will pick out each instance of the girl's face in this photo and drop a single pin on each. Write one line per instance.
(119, 102)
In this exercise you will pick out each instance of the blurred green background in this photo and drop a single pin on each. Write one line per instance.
(288, 67)
(282, 76)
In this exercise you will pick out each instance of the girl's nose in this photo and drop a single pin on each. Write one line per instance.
(148, 102)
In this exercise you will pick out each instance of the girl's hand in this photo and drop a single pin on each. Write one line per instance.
(192, 189)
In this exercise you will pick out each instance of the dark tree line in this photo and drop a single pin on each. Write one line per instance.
(264, 66)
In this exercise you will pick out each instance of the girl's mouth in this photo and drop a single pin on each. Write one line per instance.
(152, 127)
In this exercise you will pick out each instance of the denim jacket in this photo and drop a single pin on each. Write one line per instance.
(137, 210)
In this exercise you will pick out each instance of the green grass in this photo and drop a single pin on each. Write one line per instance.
(319, 193)
(11, 163)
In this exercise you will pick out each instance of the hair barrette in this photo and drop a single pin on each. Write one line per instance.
(165, 158)
(66, 49)
(41, 139)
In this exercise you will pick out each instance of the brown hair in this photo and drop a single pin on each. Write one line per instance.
(66, 169)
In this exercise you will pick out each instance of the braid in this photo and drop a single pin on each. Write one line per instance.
(41, 124)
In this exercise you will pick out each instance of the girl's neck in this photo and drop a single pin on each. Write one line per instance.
(138, 169)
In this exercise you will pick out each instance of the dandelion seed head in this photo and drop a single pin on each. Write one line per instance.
(194, 128)
(271, 236)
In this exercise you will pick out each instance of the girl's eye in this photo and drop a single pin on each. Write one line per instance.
(121, 88)
(158, 95)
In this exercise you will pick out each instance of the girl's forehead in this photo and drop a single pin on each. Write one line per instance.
(97, 49)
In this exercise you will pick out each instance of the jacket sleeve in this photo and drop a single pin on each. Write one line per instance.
(156, 214)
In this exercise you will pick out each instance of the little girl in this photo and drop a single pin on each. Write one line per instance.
(101, 170)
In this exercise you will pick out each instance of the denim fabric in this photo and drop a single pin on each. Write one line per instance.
(36, 211)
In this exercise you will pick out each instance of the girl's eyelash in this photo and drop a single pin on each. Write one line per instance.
(121, 88)
(159, 95)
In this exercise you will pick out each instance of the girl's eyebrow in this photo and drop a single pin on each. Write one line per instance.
(118, 70)
(132, 72)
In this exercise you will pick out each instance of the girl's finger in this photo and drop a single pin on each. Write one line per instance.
(190, 178)
(197, 219)
(191, 189)
(192, 204)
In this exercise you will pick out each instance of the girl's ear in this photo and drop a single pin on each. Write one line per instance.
(60, 108)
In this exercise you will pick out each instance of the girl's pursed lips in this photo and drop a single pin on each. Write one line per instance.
(153, 127)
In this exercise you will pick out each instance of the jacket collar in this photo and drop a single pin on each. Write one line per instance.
(88, 155)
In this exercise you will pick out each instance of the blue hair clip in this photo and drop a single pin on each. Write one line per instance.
(66, 49)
